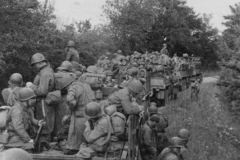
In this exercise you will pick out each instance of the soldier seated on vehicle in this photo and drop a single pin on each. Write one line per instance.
(10, 95)
(98, 132)
(160, 129)
(148, 145)
(109, 81)
(20, 120)
(123, 98)
(176, 151)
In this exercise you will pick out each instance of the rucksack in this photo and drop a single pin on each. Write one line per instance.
(4, 116)
(118, 121)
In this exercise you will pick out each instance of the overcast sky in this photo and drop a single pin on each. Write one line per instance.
(69, 10)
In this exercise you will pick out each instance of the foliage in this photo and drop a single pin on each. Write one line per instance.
(229, 52)
(144, 25)
(214, 134)
(28, 27)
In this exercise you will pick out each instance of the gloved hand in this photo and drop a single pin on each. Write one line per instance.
(28, 84)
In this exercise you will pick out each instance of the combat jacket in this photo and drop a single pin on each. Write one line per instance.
(96, 136)
(72, 55)
(10, 95)
(44, 82)
(148, 142)
(122, 100)
(182, 154)
(19, 122)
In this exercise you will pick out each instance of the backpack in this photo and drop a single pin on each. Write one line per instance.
(4, 116)
(118, 121)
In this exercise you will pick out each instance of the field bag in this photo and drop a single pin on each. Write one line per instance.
(118, 121)
(4, 110)
(4, 116)
(53, 97)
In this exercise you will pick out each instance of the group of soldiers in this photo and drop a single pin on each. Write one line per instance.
(72, 99)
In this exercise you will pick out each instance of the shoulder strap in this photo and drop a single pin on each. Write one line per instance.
(109, 131)
(11, 92)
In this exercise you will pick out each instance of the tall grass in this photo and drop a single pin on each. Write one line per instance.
(210, 126)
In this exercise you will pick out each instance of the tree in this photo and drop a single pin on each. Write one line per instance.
(229, 51)
(146, 24)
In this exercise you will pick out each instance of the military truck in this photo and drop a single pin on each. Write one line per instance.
(158, 85)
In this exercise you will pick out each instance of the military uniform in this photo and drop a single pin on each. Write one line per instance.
(148, 143)
(19, 122)
(73, 57)
(122, 100)
(10, 95)
(61, 109)
(79, 95)
(44, 83)
(182, 153)
(96, 137)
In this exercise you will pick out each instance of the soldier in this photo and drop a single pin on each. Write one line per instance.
(63, 83)
(43, 83)
(184, 135)
(97, 131)
(65, 67)
(73, 56)
(20, 121)
(123, 98)
(176, 149)
(122, 70)
(160, 129)
(148, 142)
(195, 89)
(10, 95)
(164, 50)
(109, 81)
(132, 74)
(79, 95)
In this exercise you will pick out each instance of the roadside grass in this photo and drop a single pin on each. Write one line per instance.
(209, 124)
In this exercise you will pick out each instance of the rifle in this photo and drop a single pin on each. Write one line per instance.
(39, 132)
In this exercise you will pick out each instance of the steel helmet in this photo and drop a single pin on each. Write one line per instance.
(154, 118)
(93, 110)
(38, 57)
(119, 51)
(26, 94)
(66, 80)
(134, 64)
(152, 109)
(153, 104)
(109, 73)
(92, 69)
(130, 72)
(135, 86)
(66, 65)
(16, 79)
(70, 44)
(176, 142)
(184, 134)
(123, 85)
